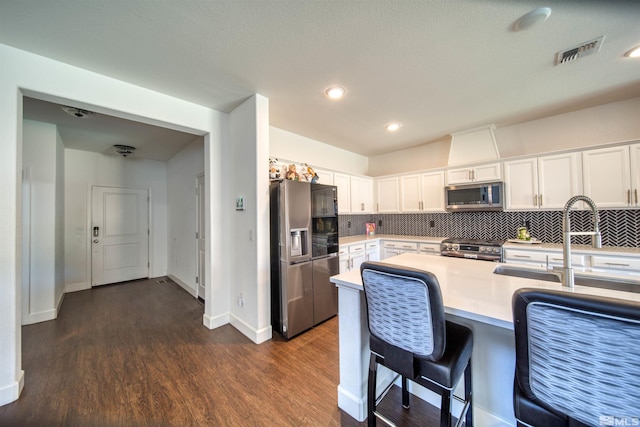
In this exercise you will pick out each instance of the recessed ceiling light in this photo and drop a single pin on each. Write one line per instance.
(335, 92)
(633, 53)
(392, 127)
(532, 18)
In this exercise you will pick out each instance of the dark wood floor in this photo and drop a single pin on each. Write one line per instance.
(137, 354)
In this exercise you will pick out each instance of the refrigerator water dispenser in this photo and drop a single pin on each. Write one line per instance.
(299, 242)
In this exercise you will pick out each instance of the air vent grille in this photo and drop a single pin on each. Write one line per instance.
(574, 53)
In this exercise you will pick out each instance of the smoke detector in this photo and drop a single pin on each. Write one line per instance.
(577, 52)
(124, 150)
(77, 112)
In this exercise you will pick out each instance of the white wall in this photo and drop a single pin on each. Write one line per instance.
(249, 150)
(25, 73)
(603, 124)
(297, 148)
(44, 227)
(182, 170)
(85, 169)
(607, 123)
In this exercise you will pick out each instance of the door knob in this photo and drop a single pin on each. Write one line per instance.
(96, 241)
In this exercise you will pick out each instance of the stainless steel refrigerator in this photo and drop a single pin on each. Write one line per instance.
(304, 254)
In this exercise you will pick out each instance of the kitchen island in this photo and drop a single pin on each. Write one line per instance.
(473, 296)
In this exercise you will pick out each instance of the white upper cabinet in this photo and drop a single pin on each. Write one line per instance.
(559, 179)
(343, 182)
(324, 176)
(387, 195)
(635, 174)
(422, 193)
(607, 176)
(542, 183)
(361, 195)
(489, 172)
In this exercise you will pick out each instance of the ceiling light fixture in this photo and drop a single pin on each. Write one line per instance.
(392, 127)
(532, 18)
(335, 92)
(77, 112)
(633, 53)
(124, 150)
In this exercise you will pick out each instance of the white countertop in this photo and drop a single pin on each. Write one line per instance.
(471, 290)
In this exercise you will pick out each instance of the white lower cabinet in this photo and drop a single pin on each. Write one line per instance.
(530, 258)
(429, 248)
(616, 265)
(372, 251)
(351, 256)
(393, 248)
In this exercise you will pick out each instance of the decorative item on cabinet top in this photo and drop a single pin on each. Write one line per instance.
(299, 172)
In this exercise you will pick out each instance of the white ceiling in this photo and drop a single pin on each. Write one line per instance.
(436, 66)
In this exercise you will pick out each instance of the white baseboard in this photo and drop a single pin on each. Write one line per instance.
(75, 287)
(11, 392)
(183, 285)
(215, 322)
(41, 316)
(59, 303)
(255, 335)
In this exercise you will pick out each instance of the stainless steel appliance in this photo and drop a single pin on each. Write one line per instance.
(487, 250)
(304, 254)
(485, 196)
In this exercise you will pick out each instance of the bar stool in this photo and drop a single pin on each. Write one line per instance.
(410, 336)
(577, 359)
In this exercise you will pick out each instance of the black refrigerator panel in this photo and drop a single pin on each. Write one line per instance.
(325, 293)
(296, 298)
(324, 220)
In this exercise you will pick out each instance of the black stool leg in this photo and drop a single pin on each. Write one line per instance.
(445, 408)
(468, 395)
(371, 391)
(405, 393)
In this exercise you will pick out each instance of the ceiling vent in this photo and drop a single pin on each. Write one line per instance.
(574, 53)
(124, 150)
(77, 112)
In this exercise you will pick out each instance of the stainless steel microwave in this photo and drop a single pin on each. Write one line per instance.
(483, 196)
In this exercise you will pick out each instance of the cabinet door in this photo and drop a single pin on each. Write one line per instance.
(387, 195)
(324, 176)
(410, 193)
(459, 176)
(635, 174)
(606, 176)
(559, 180)
(344, 263)
(361, 195)
(432, 191)
(343, 182)
(491, 172)
(356, 260)
(521, 184)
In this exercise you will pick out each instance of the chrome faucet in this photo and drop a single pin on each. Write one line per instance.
(596, 239)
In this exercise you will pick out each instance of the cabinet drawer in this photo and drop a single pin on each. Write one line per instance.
(372, 245)
(616, 263)
(557, 259)
(402, 245)
(356, 248)
(343, 250)
(429, 248)
(514, 255)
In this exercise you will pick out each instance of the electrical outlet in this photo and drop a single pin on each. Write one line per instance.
(240, 301)
(379, 223)
(348, 224)
(432, 223)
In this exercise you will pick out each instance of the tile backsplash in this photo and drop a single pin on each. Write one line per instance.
(619, 227)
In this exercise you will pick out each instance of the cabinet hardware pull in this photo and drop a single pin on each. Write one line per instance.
(628, 197)
(540, 199)
(556, 259)
(361, 206)
(535, 200)
(522, 256)
(378, 207)
(636, 194)
(617, 264)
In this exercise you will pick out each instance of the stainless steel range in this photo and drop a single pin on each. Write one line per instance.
(488, 250)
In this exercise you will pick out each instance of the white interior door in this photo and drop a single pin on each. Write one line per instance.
(200, 236)
(119, 234)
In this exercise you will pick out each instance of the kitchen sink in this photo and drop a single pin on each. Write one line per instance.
(581, 279)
